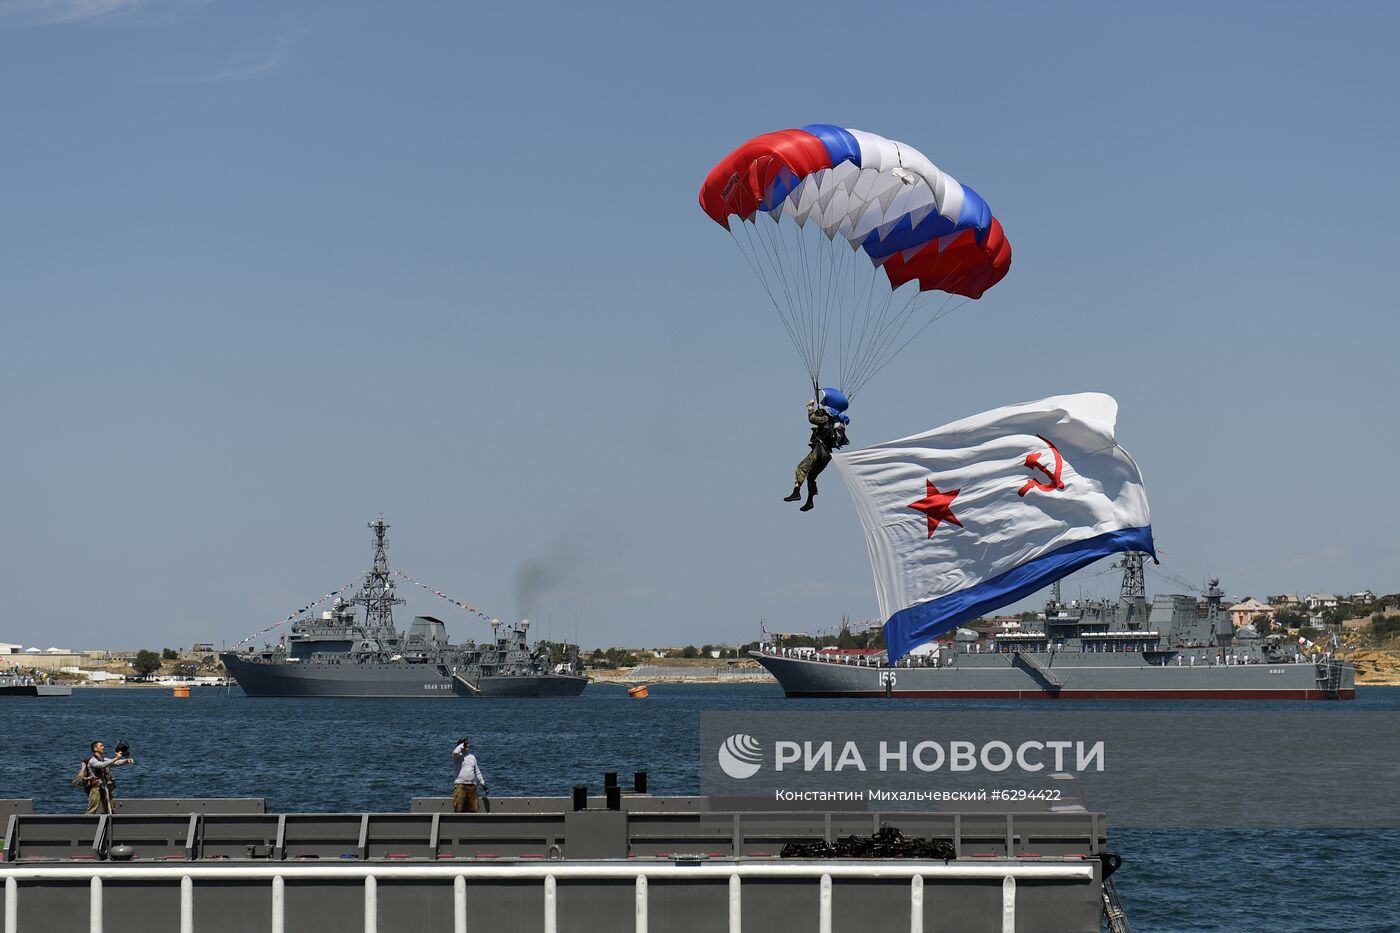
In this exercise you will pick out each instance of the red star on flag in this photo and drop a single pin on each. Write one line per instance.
(937, 506)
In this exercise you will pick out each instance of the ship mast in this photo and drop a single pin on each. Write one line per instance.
(1132, 592)
(377, 595)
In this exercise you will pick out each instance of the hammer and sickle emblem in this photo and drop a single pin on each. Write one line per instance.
(1053, 483)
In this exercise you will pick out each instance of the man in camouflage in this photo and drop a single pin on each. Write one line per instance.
(827, 434)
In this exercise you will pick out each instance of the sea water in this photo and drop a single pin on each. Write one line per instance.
(318, 755)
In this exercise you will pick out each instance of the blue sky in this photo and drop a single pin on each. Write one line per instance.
(269, 270)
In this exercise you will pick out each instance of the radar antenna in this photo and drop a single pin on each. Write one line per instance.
(1132, 592)
(377, 594)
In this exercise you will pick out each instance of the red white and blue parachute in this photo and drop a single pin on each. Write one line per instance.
(918, 228)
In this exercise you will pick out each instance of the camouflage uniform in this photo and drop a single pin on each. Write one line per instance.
(818, 457)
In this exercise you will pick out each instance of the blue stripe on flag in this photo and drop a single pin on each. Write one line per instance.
(909, 628)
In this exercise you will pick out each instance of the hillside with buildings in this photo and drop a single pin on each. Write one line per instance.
(198, 664)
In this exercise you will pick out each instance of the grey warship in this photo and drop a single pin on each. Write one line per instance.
(338, 654)
(16, 684)
(1128, 649)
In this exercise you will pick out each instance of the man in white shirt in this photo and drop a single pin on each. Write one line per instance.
(465, 798)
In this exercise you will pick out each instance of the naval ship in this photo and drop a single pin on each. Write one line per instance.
(340, 654)
(15, 684)
(1094, 650)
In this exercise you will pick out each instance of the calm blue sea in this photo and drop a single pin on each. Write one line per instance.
(321, 755)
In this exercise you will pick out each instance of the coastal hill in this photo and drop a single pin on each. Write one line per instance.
(1375, 667)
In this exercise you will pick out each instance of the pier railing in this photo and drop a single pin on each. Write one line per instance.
(821, 875)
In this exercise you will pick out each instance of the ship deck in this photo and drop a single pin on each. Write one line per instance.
(1062, 676)
(678, 864)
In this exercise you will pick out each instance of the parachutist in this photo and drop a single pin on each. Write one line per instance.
(828, 434)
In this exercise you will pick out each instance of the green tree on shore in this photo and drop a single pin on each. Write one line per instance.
(145, 663)
(611, 658)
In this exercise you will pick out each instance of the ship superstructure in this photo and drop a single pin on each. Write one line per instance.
(346, 653)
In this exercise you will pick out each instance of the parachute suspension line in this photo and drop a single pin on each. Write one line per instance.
(849, 298)
(890, 329)
(822, 290)
(868, 316)
(943, 311)
(846, 292)
(871, 325)
(803, 276)
(887, 340)
(877, 340)
(783, 261)
(847, 281)
(804, 280)
(872, 339)
(776, 242)
(856, 300)
(825, 270)
(775, 258)
(815, 273)
(751, 256)
(888, 334)
(831, 282)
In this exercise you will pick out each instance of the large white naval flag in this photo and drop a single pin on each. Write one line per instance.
(969, 517)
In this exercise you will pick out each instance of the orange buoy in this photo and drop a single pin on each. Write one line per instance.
(639, 692)
(180, 691)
